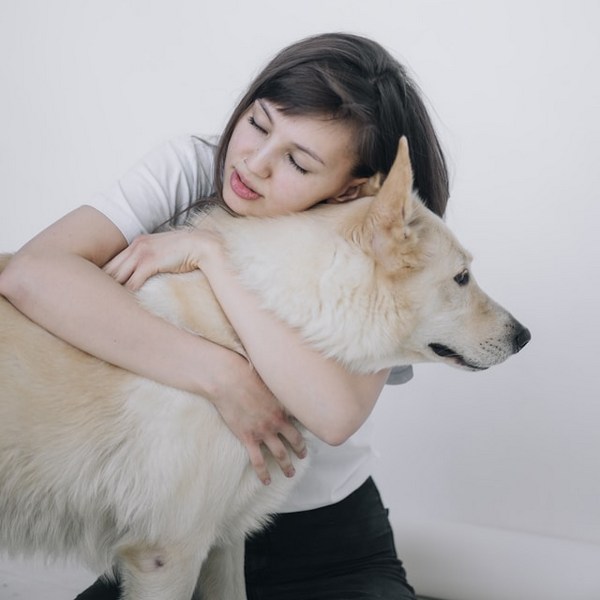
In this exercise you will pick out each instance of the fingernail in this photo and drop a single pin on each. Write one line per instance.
(290, 472)
(267, 481)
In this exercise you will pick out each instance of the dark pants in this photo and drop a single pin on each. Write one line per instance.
(340, 552)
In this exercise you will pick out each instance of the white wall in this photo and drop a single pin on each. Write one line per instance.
(492, 478)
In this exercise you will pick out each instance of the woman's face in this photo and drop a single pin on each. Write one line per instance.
(277, 164)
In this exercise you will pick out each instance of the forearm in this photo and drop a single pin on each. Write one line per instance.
(319, 392)
(78, 302)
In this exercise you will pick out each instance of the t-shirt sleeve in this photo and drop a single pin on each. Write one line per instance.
(160, 186)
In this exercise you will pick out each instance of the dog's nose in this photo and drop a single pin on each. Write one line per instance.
(521, 338)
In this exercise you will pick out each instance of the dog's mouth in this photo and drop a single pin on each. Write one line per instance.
(446, 352)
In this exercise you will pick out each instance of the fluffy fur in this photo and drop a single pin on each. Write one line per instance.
(99, 464)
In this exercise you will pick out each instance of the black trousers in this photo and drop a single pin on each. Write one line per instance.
(340, 552)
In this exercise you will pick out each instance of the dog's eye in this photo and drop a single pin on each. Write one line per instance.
(462, 278)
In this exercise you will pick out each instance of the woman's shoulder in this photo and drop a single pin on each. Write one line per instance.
(163, 184)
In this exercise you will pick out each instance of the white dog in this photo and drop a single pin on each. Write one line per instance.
(99, 464)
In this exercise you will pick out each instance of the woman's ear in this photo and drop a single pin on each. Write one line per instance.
(353, 191)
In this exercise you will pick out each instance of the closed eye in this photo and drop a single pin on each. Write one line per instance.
(296, 165)
(463, 277)
(254, 124)
(289, 157)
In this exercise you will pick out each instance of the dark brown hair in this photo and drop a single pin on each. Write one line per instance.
(354, 79)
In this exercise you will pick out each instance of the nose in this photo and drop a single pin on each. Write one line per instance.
(522, 338)
(259, 162)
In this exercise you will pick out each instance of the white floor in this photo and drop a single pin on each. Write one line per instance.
(27, 580)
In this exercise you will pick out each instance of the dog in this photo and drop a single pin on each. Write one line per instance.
(115, 470)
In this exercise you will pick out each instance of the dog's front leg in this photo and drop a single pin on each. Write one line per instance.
(162, 572)
(222, 575)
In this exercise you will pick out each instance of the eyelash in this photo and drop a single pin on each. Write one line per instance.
(290, 158)
(254, 124)
(296, 165)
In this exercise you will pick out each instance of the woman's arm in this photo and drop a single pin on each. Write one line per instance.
(320, 393)
(56, 281)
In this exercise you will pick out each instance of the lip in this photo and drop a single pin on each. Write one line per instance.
(446, 352)
(241, 188)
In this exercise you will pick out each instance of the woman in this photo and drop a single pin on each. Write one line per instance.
(323, 116)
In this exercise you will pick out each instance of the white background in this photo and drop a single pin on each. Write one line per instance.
(493, 479)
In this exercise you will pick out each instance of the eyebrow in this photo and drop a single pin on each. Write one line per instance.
(298, 146)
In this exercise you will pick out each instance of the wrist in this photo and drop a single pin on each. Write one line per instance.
(210, 250)
(222, 371)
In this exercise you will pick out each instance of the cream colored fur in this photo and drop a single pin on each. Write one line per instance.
(112, 469)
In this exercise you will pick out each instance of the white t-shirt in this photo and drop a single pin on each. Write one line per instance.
(164, 184)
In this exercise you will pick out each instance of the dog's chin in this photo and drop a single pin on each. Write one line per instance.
(454, 357)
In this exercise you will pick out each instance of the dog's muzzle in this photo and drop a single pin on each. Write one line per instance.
(519, 340)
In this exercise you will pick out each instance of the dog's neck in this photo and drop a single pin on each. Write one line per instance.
(308, 273)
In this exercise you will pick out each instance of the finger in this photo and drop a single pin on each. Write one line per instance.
(281, 454)
(121, 267)
(294, 438)
(129, 270)
(257, 460)
(112, 266)
(138, 277)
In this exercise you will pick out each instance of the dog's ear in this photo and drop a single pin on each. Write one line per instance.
(387, 223)
(392, 206)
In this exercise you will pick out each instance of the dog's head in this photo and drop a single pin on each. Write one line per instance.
(442, 314)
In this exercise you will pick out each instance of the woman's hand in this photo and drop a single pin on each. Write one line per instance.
(178, 251)
(258, 420)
